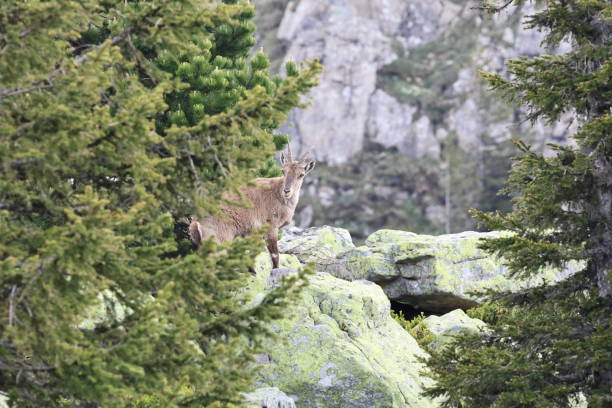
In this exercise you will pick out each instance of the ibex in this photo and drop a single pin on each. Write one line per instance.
(272, 203)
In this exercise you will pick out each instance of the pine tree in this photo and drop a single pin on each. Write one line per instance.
(117, 118)
(552, 343)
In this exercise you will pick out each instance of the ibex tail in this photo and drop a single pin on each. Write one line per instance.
(194, 232)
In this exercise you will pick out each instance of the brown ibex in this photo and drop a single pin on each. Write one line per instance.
(272, 202)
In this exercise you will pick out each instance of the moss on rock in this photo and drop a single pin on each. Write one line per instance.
(320, 246)
(435, 273)
(268, 397)
(342, 349)
(443, 328)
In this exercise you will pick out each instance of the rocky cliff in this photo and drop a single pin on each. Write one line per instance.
(407, 132)
(339, 347)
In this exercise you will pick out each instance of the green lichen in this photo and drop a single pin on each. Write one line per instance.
(317, 245)
(364, 263)
(341, 348)
(106, 310)
(255, 289)
(441, 330)
(447, 264)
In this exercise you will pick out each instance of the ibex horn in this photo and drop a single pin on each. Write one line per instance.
(304, 156)
(289, 152)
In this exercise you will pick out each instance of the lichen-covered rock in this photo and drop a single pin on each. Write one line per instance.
(437, 273)
(444, 327)
(265, 277)
(269, 397)
(320, 245)
(578, 401)
(434, 273)
(340, 348)
(107, 310)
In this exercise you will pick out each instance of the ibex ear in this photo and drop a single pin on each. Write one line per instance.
(283, 159)
(309, 165)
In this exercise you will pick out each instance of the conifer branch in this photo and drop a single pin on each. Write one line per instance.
(217, 160)
(11, 312)
(45, 83)
(486, 6)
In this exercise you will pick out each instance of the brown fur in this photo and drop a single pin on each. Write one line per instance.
(269, 204)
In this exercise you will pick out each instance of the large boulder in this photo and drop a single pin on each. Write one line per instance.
(269, 397)
(438, 273)
(444, 328)
(318, 245)
(339, 347)
(434, 273)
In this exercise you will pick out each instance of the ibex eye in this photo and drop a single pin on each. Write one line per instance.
(301, 175)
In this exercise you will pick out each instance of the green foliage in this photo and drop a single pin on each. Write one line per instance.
(116, 120)
(416, 327)
(487, 312)
(543, 350)
(269, 14)
(148, 402)
(423, 74)
(554, 342)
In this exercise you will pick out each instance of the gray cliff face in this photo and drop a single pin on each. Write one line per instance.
(401, 82)
(347, 38)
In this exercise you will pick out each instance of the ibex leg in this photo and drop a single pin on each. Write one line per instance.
(272, 244)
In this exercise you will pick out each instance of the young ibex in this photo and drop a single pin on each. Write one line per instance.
(272, 203)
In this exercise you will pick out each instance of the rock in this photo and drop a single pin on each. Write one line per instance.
(107, 310)
(318, 245)
(390, 123)
(444, 327)
(398, 74)
(341, 349)
(467, 124)
(3, 400)
(433, 273)
(424, 21)
(266, 278)
(276, 276)
(436, 273)
(352, 48)
(269, 397)
(356, 39)
(578, 401)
